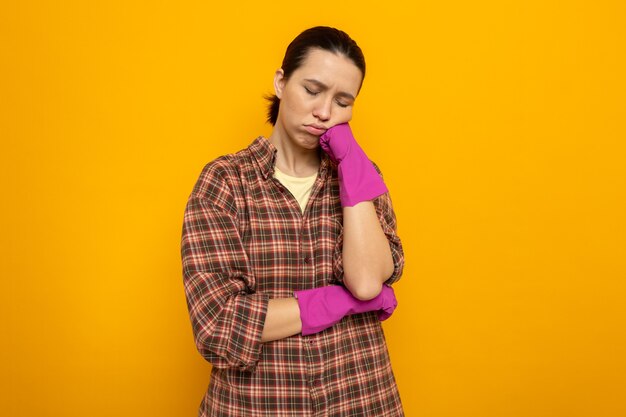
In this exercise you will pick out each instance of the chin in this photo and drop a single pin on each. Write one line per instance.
(309, 142)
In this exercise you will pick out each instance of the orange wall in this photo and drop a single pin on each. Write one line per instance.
(500, 128)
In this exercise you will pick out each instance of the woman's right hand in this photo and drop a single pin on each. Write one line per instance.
(323, 307)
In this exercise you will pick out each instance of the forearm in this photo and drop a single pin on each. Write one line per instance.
(282, 319)
(367, 260)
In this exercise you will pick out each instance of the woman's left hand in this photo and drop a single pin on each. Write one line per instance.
(358, 179)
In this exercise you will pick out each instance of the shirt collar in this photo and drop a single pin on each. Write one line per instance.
(265, 154)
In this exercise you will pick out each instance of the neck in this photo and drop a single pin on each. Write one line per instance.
(294, 160)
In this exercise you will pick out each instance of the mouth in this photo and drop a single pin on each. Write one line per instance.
(316, 130)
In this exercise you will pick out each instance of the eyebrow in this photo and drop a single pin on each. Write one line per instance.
(324, 86)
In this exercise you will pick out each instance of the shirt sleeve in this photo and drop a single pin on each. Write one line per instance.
(226, 313)
(388, 222)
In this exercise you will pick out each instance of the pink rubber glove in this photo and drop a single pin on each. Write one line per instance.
(358, 179)
(321, 308)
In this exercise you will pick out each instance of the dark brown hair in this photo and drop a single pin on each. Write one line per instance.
(321, 37)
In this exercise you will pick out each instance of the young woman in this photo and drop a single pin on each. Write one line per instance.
(289, 249)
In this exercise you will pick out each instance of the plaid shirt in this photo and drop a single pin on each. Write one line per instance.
(245, 241)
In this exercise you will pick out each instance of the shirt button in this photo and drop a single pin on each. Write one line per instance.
(307, 260)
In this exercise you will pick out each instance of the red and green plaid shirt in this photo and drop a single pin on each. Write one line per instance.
(245, 241)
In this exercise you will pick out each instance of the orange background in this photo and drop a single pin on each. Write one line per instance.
(500, 129)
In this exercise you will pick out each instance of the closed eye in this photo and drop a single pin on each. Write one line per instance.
(341, 103)
(310, 92)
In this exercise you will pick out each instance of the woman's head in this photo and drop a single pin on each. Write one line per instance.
(317, 38)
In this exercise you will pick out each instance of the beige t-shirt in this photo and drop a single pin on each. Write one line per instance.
(300, 187)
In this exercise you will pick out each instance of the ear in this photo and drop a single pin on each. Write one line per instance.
(279, 82)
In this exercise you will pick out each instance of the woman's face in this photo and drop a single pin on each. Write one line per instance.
(317, 96)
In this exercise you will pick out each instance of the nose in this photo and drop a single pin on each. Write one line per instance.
(322, 109)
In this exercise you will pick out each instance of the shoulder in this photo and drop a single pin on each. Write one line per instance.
(214, 176)
(222, 177)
